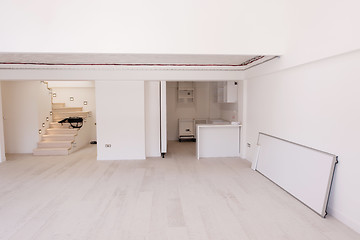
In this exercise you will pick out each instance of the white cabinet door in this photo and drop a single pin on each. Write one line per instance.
(186, 128)
(221, 92)
(231, 92)
(227, 92)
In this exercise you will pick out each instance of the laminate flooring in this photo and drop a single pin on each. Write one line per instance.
(178, 197)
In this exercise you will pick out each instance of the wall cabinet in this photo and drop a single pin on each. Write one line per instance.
(186, 92)
(227, 92)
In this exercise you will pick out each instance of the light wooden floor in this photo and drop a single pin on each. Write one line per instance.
(179, 197)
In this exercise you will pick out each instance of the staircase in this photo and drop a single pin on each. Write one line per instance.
(60, 139)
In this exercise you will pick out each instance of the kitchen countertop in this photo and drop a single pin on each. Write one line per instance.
(218, 125)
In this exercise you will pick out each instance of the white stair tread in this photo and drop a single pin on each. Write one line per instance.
(71, 112)
(60, 116)
(53, 131)
(57, 141)
(69, 109)
(58, 104)
(63, 129)
(59, 125)
(55, 144)
(59, 135)
(51, 151)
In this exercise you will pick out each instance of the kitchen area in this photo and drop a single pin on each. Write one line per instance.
(208, 114)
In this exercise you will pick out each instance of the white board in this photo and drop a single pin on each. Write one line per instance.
(304, 172)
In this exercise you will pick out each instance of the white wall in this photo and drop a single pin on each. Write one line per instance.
(242, 116)
(229, 111)
(44, 108)
(77, 84)
(80, 94)
(2, 139)
(215, 110)
(21, 111)
(120, 119)
(194, 27)
(317, 105)
(152, 118)
(310, 95)
(320, 29)
(315, 30)
(241, 102)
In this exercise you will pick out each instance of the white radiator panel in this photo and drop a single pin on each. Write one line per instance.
(303, 172)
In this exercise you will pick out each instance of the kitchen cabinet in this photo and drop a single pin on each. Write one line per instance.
(214, 140)
(186, 129)
(186, 92)
(227, 92)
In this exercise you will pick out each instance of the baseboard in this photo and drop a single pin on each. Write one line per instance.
(347, 221)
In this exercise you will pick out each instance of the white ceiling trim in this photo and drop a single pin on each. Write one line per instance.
(252, 62)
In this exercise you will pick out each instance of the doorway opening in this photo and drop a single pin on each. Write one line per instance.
(192, 103)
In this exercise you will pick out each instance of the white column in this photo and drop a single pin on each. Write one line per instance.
(120, 114)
